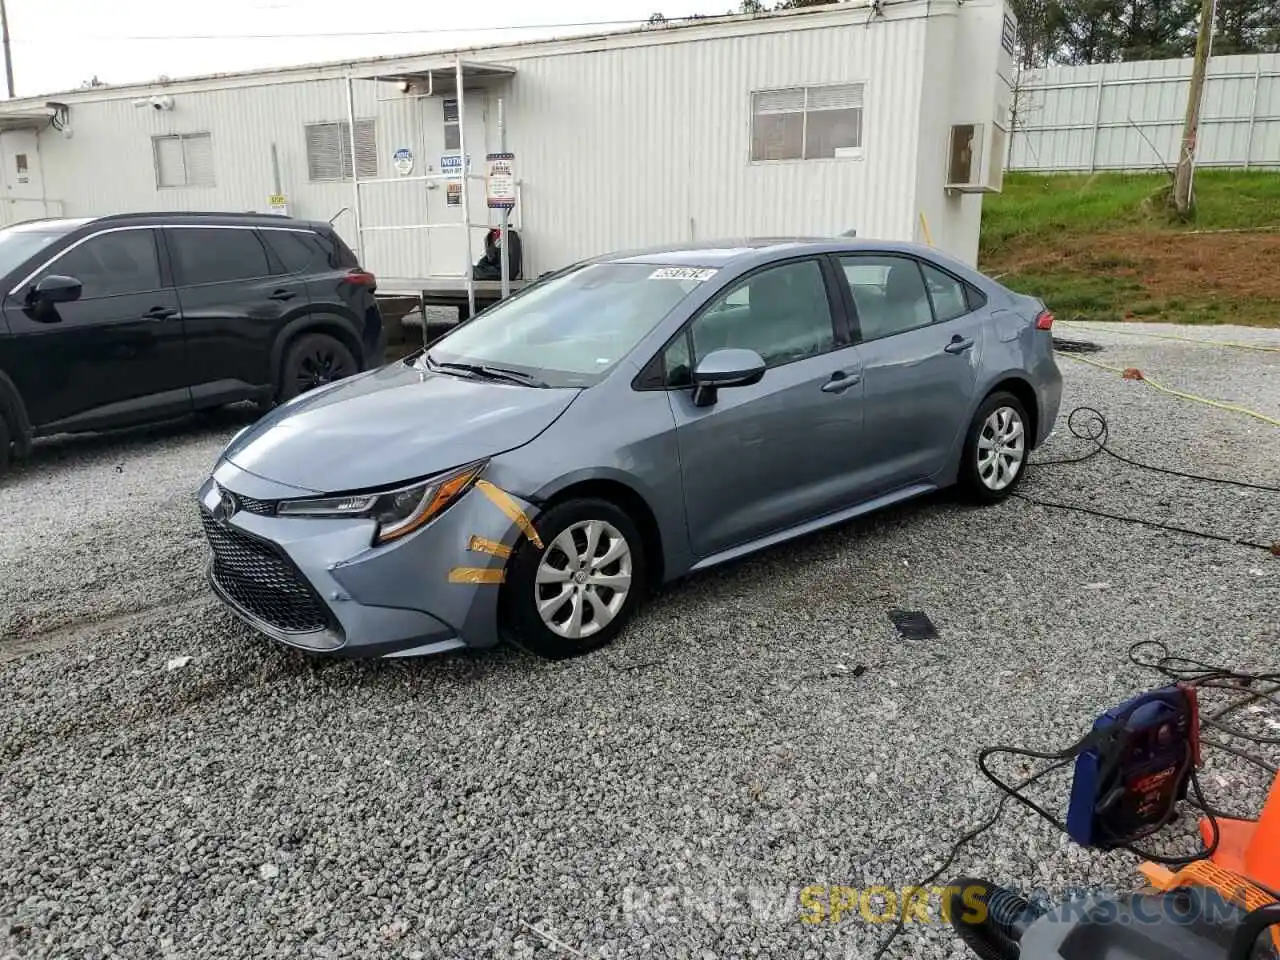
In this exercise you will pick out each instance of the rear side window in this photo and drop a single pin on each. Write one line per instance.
(210, 255)
(295, 250)
(111, 264)
(340, 254)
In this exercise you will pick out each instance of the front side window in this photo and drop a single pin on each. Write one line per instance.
(573, 328)
(807, 123)
(205, 255)
(111, 264)
(889, 294)
(782, 313)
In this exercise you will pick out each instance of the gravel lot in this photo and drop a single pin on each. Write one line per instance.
(669, 795)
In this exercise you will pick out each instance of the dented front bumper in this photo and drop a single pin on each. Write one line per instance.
(434, 590)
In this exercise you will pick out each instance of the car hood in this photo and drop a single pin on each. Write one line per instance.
(390, 425)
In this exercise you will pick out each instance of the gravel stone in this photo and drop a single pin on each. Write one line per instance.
(669, 796)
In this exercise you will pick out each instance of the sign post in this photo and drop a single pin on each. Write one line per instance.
(500, 192)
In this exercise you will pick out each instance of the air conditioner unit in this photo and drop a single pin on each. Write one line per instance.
(975, 157)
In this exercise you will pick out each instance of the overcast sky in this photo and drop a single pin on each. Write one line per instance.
(59, 44)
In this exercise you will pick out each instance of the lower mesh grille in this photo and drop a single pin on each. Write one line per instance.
(261, 581)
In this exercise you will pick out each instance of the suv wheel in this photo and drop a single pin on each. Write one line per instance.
(313, 360)
(6, 443)
(996, 448)
(577, 591)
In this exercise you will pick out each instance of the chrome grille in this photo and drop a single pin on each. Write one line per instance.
(263, 583)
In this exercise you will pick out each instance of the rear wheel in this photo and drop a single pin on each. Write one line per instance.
(575, 593)
(313, 360)
(995, 450)
(6, 446)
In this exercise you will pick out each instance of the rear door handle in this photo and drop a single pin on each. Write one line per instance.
(958, 344)
(159, 313)
(282, 295)
(841, 381)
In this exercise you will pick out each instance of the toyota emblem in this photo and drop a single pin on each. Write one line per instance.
(226, 507)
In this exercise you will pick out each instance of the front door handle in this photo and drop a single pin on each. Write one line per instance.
(282, 295)
(159, 313)
(841, 381)
(958, 344)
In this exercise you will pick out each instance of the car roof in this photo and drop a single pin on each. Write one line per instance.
(723, 253)
(67, 224)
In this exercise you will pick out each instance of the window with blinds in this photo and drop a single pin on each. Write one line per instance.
(183, 160)
(807, 123)
(329, 150)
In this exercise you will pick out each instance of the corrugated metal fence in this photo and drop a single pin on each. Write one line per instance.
(1128, 116)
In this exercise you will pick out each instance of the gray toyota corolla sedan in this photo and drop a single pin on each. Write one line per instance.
(617, 425)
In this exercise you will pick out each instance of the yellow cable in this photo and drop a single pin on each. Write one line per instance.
(1234, 408)
(1266, 348)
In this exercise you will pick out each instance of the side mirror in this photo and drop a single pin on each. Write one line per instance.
(733, 367)
(54, 289)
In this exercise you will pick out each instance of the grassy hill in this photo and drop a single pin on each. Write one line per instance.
(1103, 246)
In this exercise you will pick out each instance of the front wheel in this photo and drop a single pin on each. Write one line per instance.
(995, 450)
(575, 593)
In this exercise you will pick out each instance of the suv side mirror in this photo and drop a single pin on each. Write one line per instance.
(732, 367)
(54, 289)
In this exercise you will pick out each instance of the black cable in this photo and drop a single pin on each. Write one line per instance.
(967, 838)
(1087, 423)
(1253, 758)
(1155, 524)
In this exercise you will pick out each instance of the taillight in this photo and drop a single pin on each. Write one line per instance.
(361, 278)
(1044, 321)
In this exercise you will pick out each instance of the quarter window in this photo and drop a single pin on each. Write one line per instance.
(782, 313)
(204, 255)
(807, 123)
(292, 248)
(111, 265)
(889, 294)
(946, 293)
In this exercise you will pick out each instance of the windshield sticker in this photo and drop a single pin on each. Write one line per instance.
(683, 273)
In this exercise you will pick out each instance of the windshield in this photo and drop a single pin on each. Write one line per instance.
(571, 329)
(19, 246)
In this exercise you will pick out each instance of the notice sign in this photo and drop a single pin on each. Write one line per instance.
(278, 204)
(500, 181)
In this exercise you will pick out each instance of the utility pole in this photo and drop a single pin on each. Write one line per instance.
(1182, 199)
(8, 54)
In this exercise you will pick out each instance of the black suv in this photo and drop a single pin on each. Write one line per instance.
(117, 320)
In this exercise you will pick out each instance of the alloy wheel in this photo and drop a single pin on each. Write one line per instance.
(1001, 448)
(583, 579)
(320, 366)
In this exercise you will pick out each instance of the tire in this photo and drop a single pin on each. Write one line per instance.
(6, 445)
(985, 475)
(312, 360)
(608, 607)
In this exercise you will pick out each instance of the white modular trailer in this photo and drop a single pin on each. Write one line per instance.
(886, 118)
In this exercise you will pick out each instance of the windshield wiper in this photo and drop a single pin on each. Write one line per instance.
(487, 372)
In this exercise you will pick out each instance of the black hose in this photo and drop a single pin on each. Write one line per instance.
(989, 919)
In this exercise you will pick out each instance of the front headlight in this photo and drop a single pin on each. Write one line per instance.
(398, 512)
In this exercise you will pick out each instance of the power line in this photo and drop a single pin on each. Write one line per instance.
(489, 28)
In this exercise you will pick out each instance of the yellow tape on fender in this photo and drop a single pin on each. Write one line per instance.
(491, 547)
(477, 575)
(512, 509)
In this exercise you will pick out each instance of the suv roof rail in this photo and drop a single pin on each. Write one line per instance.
(194, 213)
